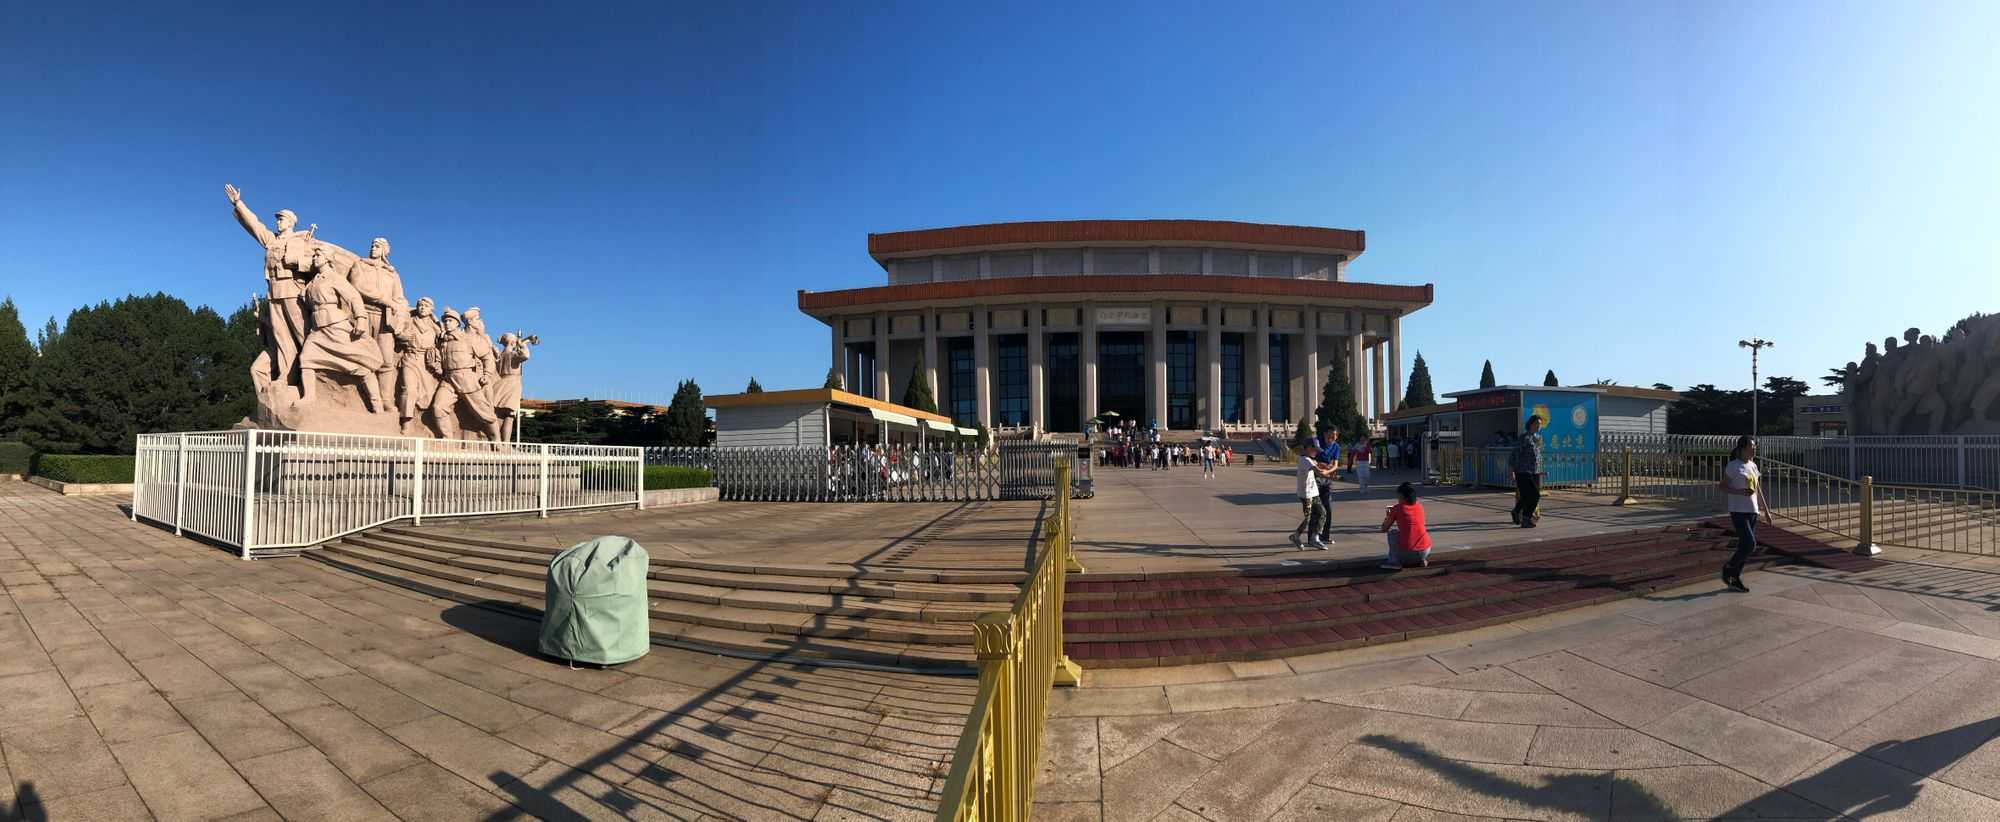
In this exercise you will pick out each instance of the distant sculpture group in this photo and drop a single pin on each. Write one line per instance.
(344, 352)
(1927, 385)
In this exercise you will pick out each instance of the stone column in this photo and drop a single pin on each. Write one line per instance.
(1037, 395)
(1156, 354)
(839, 327)
(1262, 373)
(931, 352)
(1395, 360)
(882, 357)
(982, 366)
(1214, 366)
(1381, 377)
(1357, 363)
(1086, 361)
(1310, 325)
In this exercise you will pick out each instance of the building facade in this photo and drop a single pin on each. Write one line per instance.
(1195, 324)
(1819, 415)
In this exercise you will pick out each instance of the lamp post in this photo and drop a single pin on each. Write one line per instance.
(1755, 344)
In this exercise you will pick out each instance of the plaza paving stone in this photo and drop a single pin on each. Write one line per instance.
(147, 676)
(1786, 703)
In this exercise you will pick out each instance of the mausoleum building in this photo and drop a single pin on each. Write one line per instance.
(1195, 324)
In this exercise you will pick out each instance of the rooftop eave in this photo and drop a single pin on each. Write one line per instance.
(823, 304)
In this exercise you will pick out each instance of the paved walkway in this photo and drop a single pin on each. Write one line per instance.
(1146, 520)
(143, 676)
(1822, 695)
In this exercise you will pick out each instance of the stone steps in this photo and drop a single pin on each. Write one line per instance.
(895, 618)
(1177, 620)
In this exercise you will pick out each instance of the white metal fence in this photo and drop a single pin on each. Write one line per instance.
(893, 473)
(276, 492)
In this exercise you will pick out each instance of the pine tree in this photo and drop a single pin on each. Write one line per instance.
(1549, 379)
(1336, 409)
(918, 395)
(1419, 392)
(753, 387)
(1304, 433)
(17, 370)
(687, 419)
(833, 379)
(1486, 376)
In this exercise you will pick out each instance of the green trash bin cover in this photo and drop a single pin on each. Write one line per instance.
(595, 609)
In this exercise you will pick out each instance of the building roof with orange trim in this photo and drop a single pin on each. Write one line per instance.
(1056, 233)
(1156, 286)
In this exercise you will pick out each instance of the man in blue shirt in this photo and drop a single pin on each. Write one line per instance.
(1329, 456)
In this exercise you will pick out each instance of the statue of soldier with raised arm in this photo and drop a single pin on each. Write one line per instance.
(287, 265)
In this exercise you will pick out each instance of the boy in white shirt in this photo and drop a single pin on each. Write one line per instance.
(1740, 483)
(1311, 504)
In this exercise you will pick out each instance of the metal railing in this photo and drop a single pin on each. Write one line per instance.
(1021, 659)
(271, 493)
(891, 473)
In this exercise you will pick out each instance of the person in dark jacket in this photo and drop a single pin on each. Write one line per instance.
(1526, 463)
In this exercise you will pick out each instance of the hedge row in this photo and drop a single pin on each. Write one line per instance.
(88, 469)
(15, 457)
(675, 476)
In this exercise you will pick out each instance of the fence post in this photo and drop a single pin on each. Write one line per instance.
(1865, 546)
(180, 480)
(639, 468)
(1478, 467)
(1852, 464)
(544, 495)
(993, 641)
(249, 489)
(1961, 461)
(1625, 481)
(417, 487)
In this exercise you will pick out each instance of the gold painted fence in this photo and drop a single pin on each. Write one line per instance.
(1020, 659)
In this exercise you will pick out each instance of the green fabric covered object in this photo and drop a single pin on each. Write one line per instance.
(595, 609)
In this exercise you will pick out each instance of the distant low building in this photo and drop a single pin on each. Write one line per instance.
(530, 408)
(1819, 415)
(1624, 409)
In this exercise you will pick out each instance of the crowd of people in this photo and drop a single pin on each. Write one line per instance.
(1129, 446)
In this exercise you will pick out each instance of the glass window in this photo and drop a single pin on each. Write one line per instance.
(1010, 265)
(1281, 378)
(964, 401)
(1233, 263)
(913, 271)
(964, 267)
(1232, 377)
(1065, 410)
(1058, 262)
(1180, 261)
(1011, 402)
(1180, 380)
(1108, 261)
(1316, 267)
(1274, 265)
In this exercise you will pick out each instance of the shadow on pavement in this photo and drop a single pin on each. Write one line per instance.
(1886, 777)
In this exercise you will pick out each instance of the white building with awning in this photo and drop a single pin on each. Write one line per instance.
(823, 417)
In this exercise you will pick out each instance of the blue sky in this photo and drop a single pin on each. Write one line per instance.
(1614, 191)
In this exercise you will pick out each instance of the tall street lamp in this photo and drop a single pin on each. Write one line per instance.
(1755, 344)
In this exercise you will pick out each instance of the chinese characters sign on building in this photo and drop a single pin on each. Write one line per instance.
(1125, 316)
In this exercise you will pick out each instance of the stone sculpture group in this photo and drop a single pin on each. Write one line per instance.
(344, 353)
(1927, 385)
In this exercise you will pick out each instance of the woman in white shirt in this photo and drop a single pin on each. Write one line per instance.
(1740, 483)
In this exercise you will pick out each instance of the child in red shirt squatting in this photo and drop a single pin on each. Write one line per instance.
(1409, 543)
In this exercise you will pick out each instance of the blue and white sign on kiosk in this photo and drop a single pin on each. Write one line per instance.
(1493, 419)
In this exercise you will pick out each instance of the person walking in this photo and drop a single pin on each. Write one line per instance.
(1741, 482)
(1329, 464)
(1310, 501)
(1208, 460)
(1364, 457)
(1526, 463)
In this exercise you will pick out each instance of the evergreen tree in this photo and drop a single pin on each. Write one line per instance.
(1549, 379)
(1419, 393)
(141, 364)
(1304, 433)
(985, 437)
(1336, 409)
(17, 370)
(918, 395)
(1660, 386)
(1486, 376)
(833, 379)
(687, 418)
(753, 387)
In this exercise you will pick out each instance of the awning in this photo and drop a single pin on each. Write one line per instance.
(968, 432)
(893, 418)
(941, 426)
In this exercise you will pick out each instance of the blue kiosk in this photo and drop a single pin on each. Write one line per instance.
(1491, 421)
